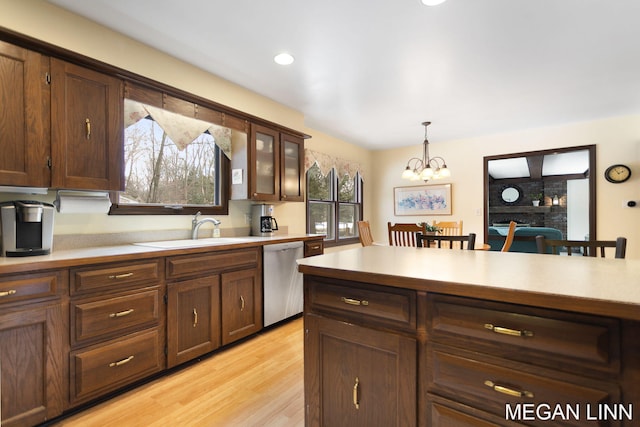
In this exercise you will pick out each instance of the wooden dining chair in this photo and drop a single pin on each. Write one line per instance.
(426, 240)
(449, 228)
(508, 241)
(404, 234)
(364, 233)
(585, 247)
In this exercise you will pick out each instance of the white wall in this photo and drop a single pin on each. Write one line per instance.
(617, 140)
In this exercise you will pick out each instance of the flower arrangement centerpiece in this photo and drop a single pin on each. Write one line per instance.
(430, 229)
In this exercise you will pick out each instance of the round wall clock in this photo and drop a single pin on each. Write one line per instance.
(617, 173)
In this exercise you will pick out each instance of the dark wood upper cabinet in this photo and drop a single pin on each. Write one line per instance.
(24, 123)
(62, 125)
(272, 166)
(87, 139)
(291, 168)
(264, 164)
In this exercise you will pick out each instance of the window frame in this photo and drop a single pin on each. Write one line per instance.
(359, 203)
(223, 180)
(190, 108)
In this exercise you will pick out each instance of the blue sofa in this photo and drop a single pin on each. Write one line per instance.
(524, 239)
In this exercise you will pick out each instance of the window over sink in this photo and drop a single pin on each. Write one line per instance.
(173, 164)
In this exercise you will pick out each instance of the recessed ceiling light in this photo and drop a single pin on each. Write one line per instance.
(283, 59)
(432, 2)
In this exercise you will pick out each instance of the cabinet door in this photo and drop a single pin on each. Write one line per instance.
(291, 168)
(241, 304)
(31, 352)
(264, 164)
(193, 318)
(24, 132)
(356, 376)
(87, 139)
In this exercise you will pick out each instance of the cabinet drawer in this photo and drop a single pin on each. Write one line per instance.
(115, 275)
(383, 305)
(454, 414)
(313, 247)
(93, 319)
(190, 265)
(572, 342)
(117, 363)
(493, 386)
(30, 286)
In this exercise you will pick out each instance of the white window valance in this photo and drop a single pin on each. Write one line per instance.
(327, 162)
(181, 130)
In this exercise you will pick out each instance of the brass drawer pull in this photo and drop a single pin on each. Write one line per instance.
(356, 393)
(241, 303)
(508, 391)
(87, 124)
(120, 276)
(195, 317)
(121, 313)
(507, 331)
(352, 301)
(8, 293)
(121, 362)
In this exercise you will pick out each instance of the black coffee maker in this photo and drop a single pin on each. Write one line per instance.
(27, 228)
(262, 221)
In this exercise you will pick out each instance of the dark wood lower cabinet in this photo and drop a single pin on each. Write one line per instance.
(31, 365)
(193, 317)
(358, 376)
(452, 414)
(241, 304)
(463, 362)
(108, 366)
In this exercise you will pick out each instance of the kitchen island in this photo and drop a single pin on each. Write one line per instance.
(411, 336)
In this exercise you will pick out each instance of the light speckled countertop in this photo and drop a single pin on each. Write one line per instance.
(129, 252)
(591, 285)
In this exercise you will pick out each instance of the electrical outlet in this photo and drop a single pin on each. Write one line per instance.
(247, 219)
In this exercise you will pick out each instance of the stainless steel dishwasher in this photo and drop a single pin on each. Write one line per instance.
(282, 282)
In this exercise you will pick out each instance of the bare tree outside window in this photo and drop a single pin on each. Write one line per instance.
(158, 172)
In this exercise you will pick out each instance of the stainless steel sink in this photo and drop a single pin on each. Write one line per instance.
(189, 243)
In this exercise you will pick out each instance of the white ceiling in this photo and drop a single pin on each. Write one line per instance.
(370, 72)
(569, 163)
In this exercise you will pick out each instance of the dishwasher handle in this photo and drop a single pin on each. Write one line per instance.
(276, 247)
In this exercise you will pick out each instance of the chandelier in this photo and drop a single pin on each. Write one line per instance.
(428, 167)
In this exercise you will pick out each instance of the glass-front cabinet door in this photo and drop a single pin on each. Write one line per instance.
(266, 151)
(291, 167)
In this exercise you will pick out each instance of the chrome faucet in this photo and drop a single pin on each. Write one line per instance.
(195, 224)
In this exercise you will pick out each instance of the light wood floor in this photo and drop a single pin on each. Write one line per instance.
(256, 383)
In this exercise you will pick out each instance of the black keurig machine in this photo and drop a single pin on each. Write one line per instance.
(27, 228)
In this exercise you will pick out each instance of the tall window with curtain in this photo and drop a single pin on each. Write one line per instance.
(334, 198)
